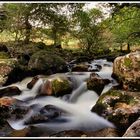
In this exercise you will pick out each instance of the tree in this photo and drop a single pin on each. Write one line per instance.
(87, 29)
(18, 21)
(56, 18)
(125, 23)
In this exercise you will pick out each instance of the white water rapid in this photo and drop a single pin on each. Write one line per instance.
(78, 103)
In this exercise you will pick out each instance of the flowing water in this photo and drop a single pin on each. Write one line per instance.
(77, 104)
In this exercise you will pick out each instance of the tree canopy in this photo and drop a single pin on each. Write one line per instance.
(92, 28)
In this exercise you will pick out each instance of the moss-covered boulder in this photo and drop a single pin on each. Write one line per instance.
(120, 107)
(47, 63)
(6, 67)
(57, 86)
(127, 70)
(96, 83)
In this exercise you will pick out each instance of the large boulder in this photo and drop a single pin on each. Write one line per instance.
(47, 63)
(56, 86)
(119, 107)
(6, 67)
(96, 83)
(127, 70)
(133, 130)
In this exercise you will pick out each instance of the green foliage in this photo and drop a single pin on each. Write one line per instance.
(125, 25)
(87, 29)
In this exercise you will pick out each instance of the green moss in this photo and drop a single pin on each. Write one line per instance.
(60, 87)
(109, 93)
(128, 62)
(128, 99)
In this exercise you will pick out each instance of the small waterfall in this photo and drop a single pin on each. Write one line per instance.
(30, 93)
(77, 92)
(78, 104)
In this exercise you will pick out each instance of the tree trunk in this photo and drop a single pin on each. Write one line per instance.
(57, 40)
(28, 28)
(128, 47)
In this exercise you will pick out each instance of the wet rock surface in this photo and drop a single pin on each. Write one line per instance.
(10, 91)
(33, 81)
(10, 108)
(46, 114)
(58, 86)
(96, 83)
(80, 67)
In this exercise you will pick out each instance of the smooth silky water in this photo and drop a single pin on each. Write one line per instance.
(78, 104)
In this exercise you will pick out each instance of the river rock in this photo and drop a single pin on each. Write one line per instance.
(46, 63)
(10, 91)
(96, 83)
(6, 67)
(133, 130)
(119, 107)
(33, 81)
(11, 109)
(106, 132)
(31, 131)
(127, 70)
(5, 110)
(52, 111)
(47, 114)
(36, 118)
(80, 68)
(57, 86)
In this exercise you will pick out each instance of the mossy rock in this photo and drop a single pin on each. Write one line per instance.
(119, 107)
(46, 62)
(58, 86)
(126, 69)
(128, 62)
(6, 67)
